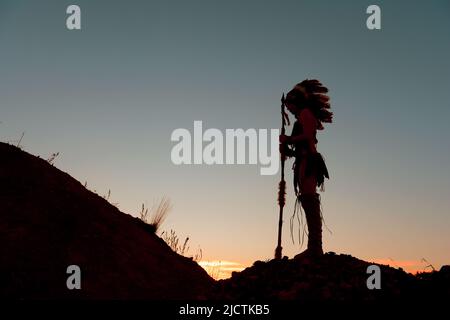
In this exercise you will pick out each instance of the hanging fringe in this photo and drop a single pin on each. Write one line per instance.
(291, 222)
(298, 213)
(321, 215)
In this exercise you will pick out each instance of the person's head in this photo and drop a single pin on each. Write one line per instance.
(310, 94)
(295, 101)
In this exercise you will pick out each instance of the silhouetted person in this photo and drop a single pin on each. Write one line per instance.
(308, 102)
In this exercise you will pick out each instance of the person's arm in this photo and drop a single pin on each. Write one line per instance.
(309, 124)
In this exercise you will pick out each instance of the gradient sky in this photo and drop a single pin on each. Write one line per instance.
(109, 96)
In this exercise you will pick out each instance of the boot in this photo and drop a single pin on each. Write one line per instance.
(311, 205)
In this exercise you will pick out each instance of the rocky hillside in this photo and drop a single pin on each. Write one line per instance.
(331, 278)
(49, 221)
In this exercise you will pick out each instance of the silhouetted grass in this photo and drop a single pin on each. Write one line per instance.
(172, 240)
(52, 158)
(157, 214)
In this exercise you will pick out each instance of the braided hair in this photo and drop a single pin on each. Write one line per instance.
(311, 94)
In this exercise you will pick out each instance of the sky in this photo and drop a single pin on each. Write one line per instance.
(108, 97)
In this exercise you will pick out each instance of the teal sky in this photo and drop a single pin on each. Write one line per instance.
(109, 96)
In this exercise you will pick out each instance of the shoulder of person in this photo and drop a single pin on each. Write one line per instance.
(307, 115)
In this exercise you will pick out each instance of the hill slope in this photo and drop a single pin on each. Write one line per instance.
(49, 221)
(331, 278)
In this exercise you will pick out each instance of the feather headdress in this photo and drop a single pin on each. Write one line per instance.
(312, 94)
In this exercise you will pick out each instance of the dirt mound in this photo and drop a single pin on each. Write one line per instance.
(330, 278)
(49, 221)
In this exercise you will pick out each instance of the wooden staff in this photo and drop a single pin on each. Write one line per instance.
(282, 184)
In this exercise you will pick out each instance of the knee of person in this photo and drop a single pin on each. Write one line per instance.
(308, 189)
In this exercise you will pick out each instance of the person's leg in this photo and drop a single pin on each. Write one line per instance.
(310, 201)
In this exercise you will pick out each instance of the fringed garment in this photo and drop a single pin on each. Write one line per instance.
(315, 164)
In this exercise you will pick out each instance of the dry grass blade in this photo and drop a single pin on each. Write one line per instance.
(160, 213)
(157, 214)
